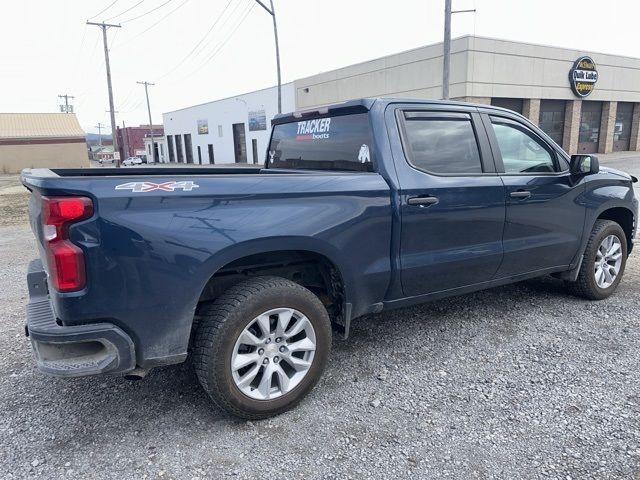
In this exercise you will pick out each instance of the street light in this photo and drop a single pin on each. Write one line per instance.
(272, 12)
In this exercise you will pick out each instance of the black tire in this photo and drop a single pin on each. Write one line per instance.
(585, 285)
(220, 324)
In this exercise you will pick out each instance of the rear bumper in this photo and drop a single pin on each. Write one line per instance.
(72, 351)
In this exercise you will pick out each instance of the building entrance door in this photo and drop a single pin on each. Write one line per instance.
(622, 127)
(239, 143)
(589, 127)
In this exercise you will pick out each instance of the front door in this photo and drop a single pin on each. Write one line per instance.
(239, 143)
(545, 218)
(451, 204)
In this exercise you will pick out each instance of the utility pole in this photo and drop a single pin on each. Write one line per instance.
(125, 139)
(99, 127)
(104, 27)
(272, 12)
(67, 108)
(447, 46)
(153, 146)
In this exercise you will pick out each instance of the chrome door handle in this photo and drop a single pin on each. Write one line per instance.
(522, 194)
(422, 201)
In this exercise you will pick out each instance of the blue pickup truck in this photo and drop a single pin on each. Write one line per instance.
(359, 207)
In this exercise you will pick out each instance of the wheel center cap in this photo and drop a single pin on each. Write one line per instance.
(270, 349)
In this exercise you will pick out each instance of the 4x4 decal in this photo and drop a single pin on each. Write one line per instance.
(143, 187)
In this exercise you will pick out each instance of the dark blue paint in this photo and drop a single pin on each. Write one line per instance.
(149, 255)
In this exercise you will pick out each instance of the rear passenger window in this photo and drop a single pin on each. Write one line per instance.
(442, 143)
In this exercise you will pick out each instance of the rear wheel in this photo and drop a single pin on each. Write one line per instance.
(603, 263)
(261, 346)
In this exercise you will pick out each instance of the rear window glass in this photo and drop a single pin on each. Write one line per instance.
(329, 143)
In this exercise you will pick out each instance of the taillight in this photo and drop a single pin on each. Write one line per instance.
(65, 260)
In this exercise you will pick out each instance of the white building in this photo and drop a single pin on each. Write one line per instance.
(232, 130)
(160, 144)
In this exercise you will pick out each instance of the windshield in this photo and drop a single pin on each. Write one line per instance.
(329, 143)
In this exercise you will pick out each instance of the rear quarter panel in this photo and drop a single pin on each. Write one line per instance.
(150, 254)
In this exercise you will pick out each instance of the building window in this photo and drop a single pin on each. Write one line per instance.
(514, 104)
(199, 156)
(211, 159)
(179, 149)
(161, 150)
(220, 131)
(551, 119)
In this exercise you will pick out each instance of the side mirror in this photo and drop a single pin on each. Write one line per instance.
(584, 164)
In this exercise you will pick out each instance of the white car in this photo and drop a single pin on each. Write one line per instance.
(132, 161)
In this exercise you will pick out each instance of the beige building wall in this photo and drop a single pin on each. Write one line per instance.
(480, 68)
(13, 158)
(483, 69)
(415, 73)
(501, 68)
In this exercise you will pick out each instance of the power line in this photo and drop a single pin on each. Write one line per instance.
(147, 13)
(127, 10)
(184, 59)
(156, 23)
(224, 23)
(221, 46)
(248, 7)
(105, 9)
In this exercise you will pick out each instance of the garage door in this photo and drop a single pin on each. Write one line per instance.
(622, 128)
(589, 127)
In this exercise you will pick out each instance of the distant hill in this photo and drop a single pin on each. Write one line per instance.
(94, 137)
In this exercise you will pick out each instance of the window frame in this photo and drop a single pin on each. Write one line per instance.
(486, 162)
(562, 168)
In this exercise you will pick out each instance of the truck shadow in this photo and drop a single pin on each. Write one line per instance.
(170, 399)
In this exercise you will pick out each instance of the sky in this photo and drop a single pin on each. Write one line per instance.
(196, 51)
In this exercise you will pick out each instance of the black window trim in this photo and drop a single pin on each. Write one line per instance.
(497, 154)
(486, 162)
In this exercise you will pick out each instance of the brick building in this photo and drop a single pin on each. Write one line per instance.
(131, 139)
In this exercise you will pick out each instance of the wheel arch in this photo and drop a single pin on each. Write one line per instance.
(624, 217)
(311, 263)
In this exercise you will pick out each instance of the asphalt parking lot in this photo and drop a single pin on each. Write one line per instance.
(522, 381)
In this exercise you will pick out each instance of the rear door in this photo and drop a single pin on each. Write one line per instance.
(544, 218)
(451, 200)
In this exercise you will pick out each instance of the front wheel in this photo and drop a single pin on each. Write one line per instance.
(603, 263)
(261, 346)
